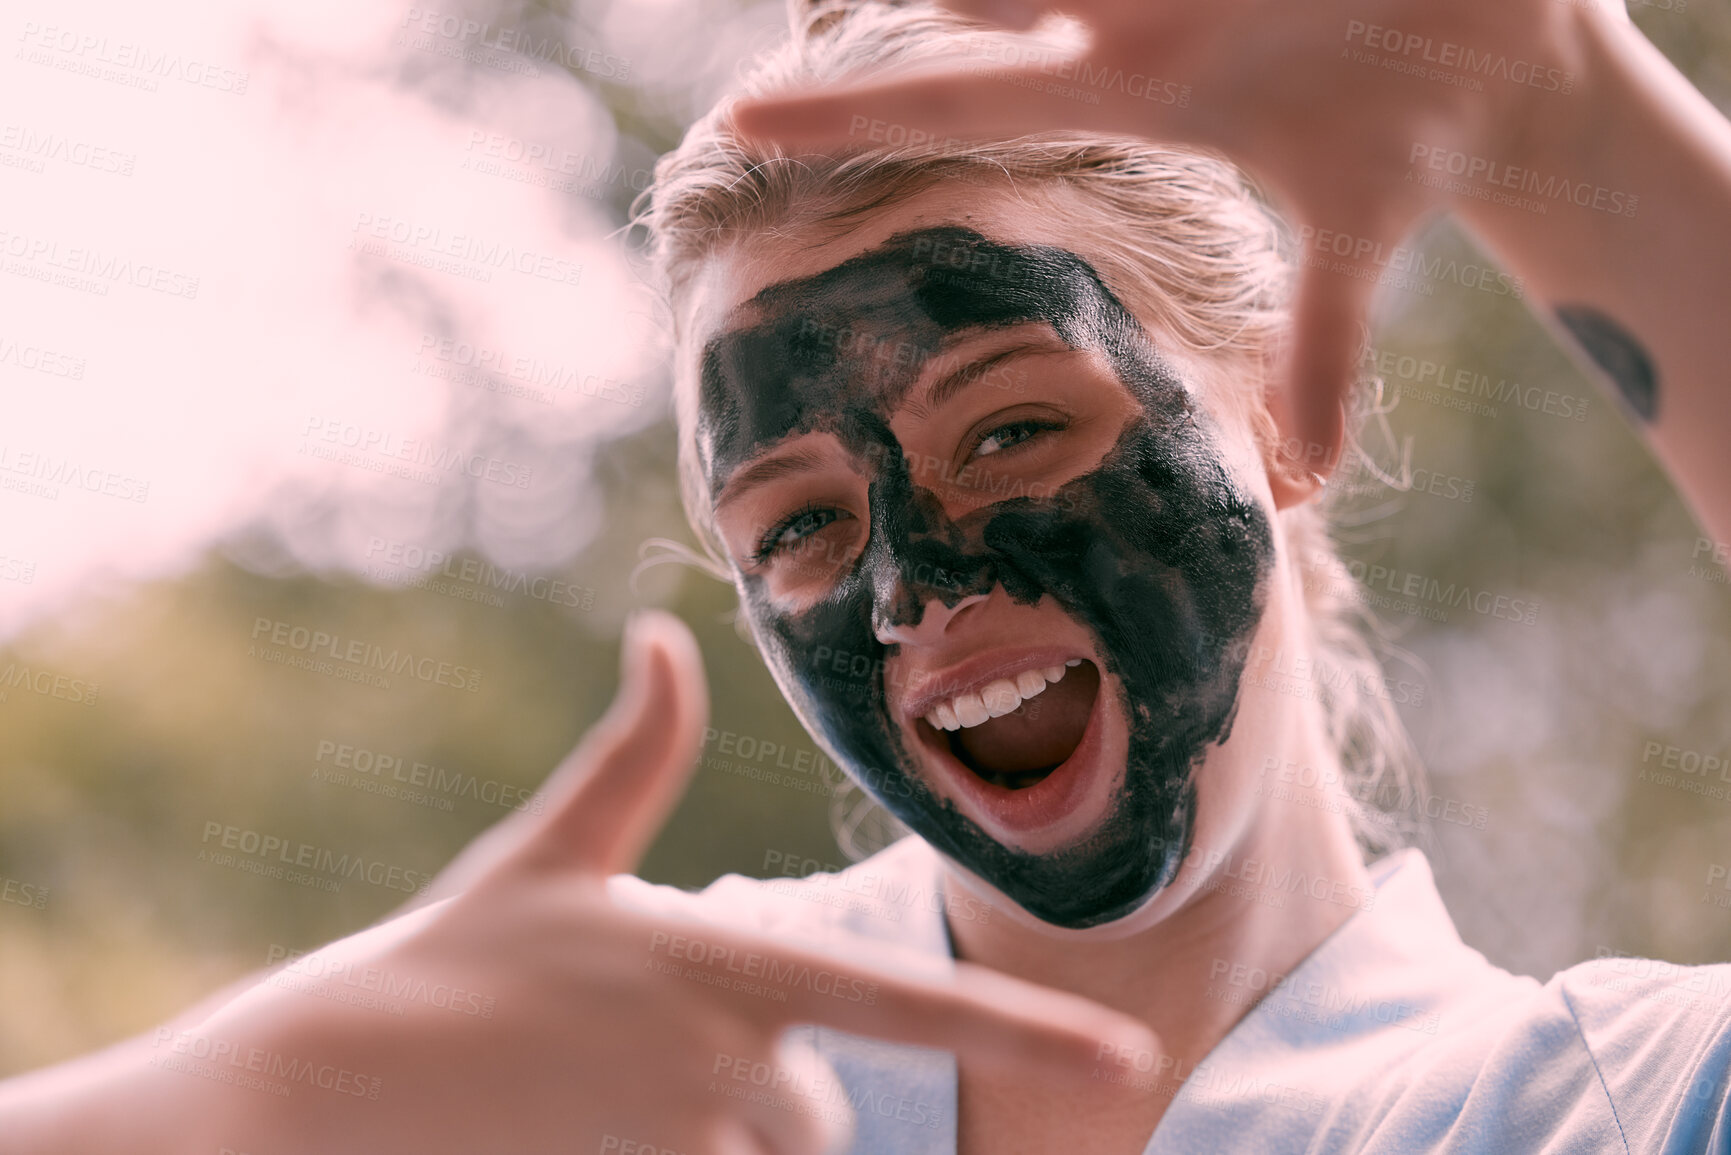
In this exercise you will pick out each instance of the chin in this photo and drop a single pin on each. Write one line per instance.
(1154, 909)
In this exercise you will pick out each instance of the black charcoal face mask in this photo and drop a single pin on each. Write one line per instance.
(1158, 552)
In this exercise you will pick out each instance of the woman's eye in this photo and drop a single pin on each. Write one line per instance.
(1011, 434)
(791, 530)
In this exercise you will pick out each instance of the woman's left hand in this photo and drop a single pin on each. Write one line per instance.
(1337, 105)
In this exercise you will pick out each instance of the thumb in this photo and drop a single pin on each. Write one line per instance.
(610, 797)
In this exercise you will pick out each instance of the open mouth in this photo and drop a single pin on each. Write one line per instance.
(1014, 732)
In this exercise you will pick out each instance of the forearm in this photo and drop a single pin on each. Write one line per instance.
(1634, 127)
(118, 1102)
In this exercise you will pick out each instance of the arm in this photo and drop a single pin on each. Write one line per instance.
(1648, 290)
(115, 1101)
(560, 1026)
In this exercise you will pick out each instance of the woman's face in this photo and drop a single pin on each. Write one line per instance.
(994, 543)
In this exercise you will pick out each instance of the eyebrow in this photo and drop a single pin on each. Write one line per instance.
(947, 386)
(789, 464)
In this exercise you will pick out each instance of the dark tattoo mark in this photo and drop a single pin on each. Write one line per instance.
(1619, 355)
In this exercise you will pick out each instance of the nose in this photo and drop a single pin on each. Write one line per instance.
(935, 618)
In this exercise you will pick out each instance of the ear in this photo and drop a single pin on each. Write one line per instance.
(1298, 469)
(1291, 483)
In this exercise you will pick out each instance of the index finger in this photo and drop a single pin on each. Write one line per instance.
(961, 102)
(997, 1023)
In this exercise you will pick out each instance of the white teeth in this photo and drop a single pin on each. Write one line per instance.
(995, 699)
(970, 709)
(1001, 697)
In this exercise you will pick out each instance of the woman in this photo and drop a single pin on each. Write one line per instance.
(1014, 463)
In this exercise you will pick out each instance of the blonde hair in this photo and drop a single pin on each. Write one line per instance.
(1177, 233)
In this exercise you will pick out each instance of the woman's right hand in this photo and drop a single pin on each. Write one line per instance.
(533, 1016)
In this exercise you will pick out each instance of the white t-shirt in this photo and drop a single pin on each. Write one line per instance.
(1391, 1037)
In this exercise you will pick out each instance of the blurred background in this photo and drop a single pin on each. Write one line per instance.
(333, 423)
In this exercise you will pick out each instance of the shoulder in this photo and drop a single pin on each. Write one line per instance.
(1613, 1054)
(1614, 997)
(1659, 1037)
(1395, 1037)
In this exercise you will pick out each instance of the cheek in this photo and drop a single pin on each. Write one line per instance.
(823, 656)
(1236, 442)
(1238, 783)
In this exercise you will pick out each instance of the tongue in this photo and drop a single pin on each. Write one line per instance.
(1039, 734)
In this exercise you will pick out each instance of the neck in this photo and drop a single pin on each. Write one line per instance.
(1273, 871)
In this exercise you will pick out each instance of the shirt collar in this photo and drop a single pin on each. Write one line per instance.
(1387, 980)
(1391, 978)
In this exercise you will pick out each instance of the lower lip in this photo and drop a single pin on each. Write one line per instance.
(1050, 800)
